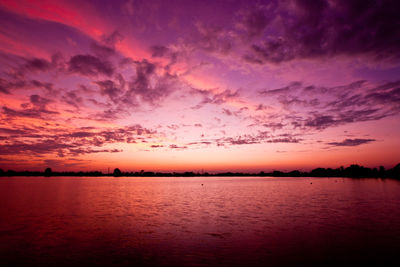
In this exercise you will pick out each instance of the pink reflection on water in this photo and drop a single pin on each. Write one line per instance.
(212, 220)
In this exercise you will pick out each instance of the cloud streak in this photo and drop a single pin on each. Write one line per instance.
(352, 142)
(86, 140)
(322, 107)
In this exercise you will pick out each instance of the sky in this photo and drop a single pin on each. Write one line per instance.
(199, 85)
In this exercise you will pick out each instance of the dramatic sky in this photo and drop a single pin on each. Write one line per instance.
(191, 85)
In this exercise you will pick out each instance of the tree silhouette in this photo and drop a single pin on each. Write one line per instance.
(117, 172)
(48, 172)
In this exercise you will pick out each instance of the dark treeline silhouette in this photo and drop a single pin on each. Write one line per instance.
(353, 171)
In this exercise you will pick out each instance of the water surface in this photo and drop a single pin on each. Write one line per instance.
(176, 221)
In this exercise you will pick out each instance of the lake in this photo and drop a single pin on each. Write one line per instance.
(181, 221)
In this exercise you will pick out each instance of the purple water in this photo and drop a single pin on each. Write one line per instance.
(229, 221)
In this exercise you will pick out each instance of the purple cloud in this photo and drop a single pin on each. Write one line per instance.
(7, 86)
(323, 107)
(29, 112)
(73, 99)
(102, 50)
(37, 64)
(85, 140)
(156, 146)
(312, 29)
(254, 21)
(173, 146)
(287, 89)
(39, 102)
(214, 98)
(106, 47)
(260, 137)
(213, 39)
(90, 65)
(111, 89)
(352, 142)
(142, 87)
(159, 50)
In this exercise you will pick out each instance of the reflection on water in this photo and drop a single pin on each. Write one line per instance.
(198, 221)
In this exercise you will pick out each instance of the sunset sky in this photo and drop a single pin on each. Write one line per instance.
(192, 85)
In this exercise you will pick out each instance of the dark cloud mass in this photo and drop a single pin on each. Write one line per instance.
(279, 31)
(110, 89)
(311, 29)
(7, 86)
(148, 85)
(90, 65)
(39, 101)
(37, 64)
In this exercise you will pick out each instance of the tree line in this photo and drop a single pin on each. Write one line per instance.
(353, 171)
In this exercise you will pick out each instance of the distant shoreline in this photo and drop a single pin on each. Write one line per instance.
(353, 171)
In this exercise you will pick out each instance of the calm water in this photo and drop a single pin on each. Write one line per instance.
(178, 221)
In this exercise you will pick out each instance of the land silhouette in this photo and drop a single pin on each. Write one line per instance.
(353, 171)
